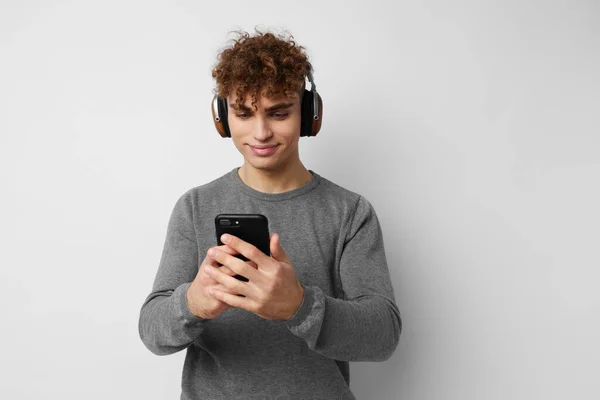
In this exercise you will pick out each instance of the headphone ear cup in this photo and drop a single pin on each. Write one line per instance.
(316, 124)
(222, 123)
(310, 126)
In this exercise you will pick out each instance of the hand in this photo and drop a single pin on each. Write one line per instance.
(200, 303)
(272, 292)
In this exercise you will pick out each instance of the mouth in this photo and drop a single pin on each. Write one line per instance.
(264, 150)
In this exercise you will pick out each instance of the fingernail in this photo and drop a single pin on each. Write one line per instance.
(211, 252)
(225, 238)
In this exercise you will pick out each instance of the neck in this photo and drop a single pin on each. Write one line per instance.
(275, 181)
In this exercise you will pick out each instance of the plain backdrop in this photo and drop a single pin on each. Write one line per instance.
(471, 126)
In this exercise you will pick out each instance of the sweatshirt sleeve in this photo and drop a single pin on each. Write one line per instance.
(166, 324)
(366, 324)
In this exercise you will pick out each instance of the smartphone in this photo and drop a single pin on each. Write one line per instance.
(251, 228)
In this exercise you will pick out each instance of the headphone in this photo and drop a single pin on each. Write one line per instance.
(311, 112)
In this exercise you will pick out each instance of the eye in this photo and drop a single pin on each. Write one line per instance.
(280, 115)
(242, 115)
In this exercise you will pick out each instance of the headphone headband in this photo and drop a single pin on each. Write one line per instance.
(313, 89)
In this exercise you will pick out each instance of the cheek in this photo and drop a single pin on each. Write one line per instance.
(234, 125)
(239, 130)
(236, 135)
(291, 130)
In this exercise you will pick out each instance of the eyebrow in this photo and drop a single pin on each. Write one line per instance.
(279, 106)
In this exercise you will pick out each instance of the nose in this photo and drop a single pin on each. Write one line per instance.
(262, 129)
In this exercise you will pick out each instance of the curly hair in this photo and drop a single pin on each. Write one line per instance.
(263, 63)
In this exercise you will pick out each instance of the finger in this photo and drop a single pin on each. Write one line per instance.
(276, 250)
(221, 287)
(249, 251)
(231, 283)
(225, 289)
(232, 299)
(212, 262)
(225, 269)
(235, 264)
(226, 249)
(223, 248)
(252, 264)
(215, 264)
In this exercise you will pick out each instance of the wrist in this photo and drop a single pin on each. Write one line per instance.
(191, 305)
(299, 302)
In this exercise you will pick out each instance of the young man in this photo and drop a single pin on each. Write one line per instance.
(324, 296)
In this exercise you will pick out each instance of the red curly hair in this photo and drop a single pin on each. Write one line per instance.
(263, 63)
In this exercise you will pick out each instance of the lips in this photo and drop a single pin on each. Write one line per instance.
(264, 150)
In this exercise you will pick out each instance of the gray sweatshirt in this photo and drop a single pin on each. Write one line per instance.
(348, 313)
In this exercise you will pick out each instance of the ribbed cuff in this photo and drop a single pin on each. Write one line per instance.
(304, 309)
(181, 305)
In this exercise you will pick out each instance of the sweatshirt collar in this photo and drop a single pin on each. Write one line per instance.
(307, 187)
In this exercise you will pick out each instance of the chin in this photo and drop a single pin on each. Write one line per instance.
(265, 164)
(271, 163)
(270, 166)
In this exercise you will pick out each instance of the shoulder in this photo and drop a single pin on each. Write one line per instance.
(342, 196)
(210, 192)
(349, 206)
(352, 209)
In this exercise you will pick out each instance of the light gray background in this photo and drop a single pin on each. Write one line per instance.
(472, 127)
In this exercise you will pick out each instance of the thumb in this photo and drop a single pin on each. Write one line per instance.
(276, 250)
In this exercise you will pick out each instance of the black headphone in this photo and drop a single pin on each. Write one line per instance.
(311, 112)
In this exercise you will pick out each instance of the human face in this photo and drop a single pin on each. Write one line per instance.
(268, 136)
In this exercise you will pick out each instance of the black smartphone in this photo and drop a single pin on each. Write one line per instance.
(251, 228)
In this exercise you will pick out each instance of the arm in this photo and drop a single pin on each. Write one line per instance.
(366, 325)
(166, 324)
